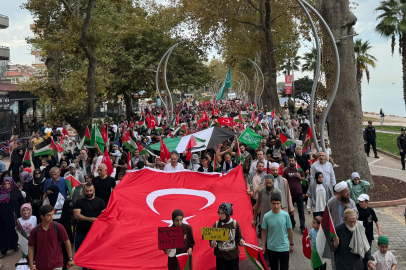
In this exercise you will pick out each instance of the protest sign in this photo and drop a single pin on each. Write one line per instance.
(216, 234)
(170, 237)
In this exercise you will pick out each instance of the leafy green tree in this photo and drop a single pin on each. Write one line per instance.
(392, 24)
(287, 65)
(310, 59)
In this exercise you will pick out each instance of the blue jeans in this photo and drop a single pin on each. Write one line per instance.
(78, 240)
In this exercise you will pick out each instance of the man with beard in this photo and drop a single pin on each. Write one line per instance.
(283, 185)
(260, 157)
(350, 244)
(86, 210)
(255, 181)
(337, 205)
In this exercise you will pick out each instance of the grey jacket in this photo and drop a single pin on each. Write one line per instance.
(312, 193)
(333, 205)
(251, 175)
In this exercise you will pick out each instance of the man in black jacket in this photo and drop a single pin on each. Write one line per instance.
(370, 138)
(401, 142)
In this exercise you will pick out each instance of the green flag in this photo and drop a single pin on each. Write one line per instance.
(226, 84)
(250, 138)
(97, 138)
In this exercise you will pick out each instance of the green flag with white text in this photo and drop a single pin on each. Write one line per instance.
(226, 84)
(250, 138)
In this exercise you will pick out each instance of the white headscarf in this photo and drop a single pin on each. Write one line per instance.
(355, 175)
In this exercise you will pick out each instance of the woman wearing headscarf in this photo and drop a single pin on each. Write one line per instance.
(188, 240)
(26, 179)
(27, 220)
(16, 163)
(35, 192)
(357, 187)
(227, 252)
(318, 196)
(11, 200)
(82, 162)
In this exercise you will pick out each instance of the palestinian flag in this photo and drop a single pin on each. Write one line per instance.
(183, 260)
(243, 114)
(97, 138)
(87, 136)
(159, 129)
(312, 161)
(144, 148)
(26, 158)
(129, 142)
(308, 140)
(239, 155)
(164, 152)
(160, 117)
(288, 142)
(216, 165)
(255, 255)
(71, 182)
(257, 125)
(299, 169)
(48, 150)
(321, 251)
(195, 143)
(237, 119)
(22, 237)
(64, 132)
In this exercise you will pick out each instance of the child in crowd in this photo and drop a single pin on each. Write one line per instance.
(384, 259)
(367, 216)
(27, 220)
(20, 187)
(120, 176)
(313, 235)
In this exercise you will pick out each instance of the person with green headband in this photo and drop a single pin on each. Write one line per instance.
(384, 259)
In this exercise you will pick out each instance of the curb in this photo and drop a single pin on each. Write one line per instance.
(388, 154)
(387, 203)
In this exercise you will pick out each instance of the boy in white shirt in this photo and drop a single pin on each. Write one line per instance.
(384, 259)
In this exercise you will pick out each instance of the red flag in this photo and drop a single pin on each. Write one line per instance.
(204, 116)
(87, 134)
(156, 195)
(104, 135)
(280, 170)
(152, 122)
(164, 152)
(106, 160)
(177, 120)
(255, 255)
(253, 116)
(307, 249)
(224, 121)
(64, 132)
(190, 144)
(273, 114)
(129, 161)
(312, 161)
(183, 260)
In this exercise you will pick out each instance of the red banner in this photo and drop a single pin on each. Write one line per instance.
(288, 85)
(124, 236)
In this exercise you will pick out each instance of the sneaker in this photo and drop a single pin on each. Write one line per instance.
(376, 157)
(302, 231)
(16, 249)
(336, 166)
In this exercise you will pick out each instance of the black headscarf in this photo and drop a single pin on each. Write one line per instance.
(16, 157)
(228, 209)
(176, 213)
(316, 176)
(38, 180)
(53, 197)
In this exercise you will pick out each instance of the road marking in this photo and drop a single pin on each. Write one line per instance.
(373, 162)
(390, 212)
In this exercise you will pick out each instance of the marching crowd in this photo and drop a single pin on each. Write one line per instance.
(278, 176)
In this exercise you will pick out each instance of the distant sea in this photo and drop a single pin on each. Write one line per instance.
(387, 96)
(375, 96)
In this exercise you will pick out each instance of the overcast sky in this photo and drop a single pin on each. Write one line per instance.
(388, 68)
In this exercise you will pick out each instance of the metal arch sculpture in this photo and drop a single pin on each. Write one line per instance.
(334, 69)
(246, 81)
(257, 70)
(161, 83)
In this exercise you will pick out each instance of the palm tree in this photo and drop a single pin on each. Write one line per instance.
(287, 66)
(310, 62)
(392, 24)
(362, 60)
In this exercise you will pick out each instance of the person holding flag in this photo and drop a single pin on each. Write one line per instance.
(188, 242)
(318, 195)
(313, 235)
(78, 175)
(340, 202)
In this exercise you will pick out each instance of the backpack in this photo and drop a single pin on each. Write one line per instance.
(36, 229)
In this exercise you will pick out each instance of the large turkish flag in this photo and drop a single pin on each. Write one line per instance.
(125, 235)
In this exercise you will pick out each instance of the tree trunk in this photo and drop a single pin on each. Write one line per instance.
(359, 81)
(268, 65)
(345, 117)
(128, 106)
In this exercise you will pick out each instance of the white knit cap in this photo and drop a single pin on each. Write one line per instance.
(354, 175)
(273, 164)
(341, 186)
